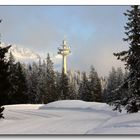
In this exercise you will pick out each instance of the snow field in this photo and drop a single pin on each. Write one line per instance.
(68, 117)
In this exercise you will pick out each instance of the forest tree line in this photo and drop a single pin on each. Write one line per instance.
(39, 83)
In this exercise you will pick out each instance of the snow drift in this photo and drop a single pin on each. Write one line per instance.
(77, 104)
(68, 117)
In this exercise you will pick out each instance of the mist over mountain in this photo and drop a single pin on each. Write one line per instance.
(26, 55)
(23, 53)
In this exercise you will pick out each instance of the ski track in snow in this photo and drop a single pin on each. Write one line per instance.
(68, 117)
(35, 113)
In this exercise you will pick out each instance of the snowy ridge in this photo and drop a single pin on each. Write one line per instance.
(76, 104)
(23, 53)
(26, 55)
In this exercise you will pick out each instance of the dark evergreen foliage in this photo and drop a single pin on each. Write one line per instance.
(59, 85)
(1, 112)
(131, 57)
(32, 76)
(90, 87)
(84, 92)
(20, 94)
(65, 88)
(18, 84)
(72, 91)
(95, 86)
(51, 94)
(64, 94)
(114, 81)
(4, 75)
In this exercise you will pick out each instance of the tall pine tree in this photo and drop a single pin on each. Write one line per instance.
(19, 94)
(33, 83)
(50, 82)
(115, 79)
(4, 75)
(131, 57)
(95, 86)
(84, 92)
(12, 78)
(111, 85)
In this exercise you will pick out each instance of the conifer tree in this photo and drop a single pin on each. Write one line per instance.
(72, 91)
(59, 85)
(84, 93)
(4, 75)
(64, 87)
(111, 85)
(120, 76)
(12, 78)
(20, 92)
(50, 82)
(33, 79)
(95, 86)
(41, 82)
(115, 79)
(131, 57)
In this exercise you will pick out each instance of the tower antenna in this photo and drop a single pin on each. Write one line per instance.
(64, 51)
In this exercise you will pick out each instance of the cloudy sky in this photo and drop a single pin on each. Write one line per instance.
(93, 32)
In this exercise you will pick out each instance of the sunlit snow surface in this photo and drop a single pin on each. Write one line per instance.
(68, 117)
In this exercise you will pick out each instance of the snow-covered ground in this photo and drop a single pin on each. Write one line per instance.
(68, 117)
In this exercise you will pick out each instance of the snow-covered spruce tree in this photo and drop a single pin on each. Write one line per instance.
(111, 85)
(4, 75)
(41, 93)
(32, 77)
(74, 81)
(19, 94)
(120, 76)
(58, 85)
(95, 86)
(83, 92)
(50, 91)
(18, 84)
(12, 78)
(73, 85)
(72, 91)
(64, 88)
(115, 79)
(131, 57)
